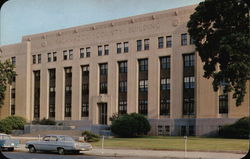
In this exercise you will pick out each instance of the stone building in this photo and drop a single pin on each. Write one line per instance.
(145, 64)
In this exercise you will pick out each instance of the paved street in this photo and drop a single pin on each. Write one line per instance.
(26, 155)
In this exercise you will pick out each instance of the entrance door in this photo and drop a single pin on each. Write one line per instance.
(103, 113)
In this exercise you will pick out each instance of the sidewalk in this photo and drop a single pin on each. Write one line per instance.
(156, 154)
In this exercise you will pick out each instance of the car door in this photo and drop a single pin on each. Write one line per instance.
(43, 144)
(54, 143)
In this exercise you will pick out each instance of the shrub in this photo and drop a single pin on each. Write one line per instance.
(240, 129)
(15, 122)
(90, 137)
(5, 127)
(130, 125)
(44, 121)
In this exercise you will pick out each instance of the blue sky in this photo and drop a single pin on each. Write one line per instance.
(24, 17)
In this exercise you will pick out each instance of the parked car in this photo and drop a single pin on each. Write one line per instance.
(6, 143)
(59, 143)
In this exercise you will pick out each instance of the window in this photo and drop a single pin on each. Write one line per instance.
(125, 47)
(34, 59)
(85, 109)
(188, 60)
(165, 62)
(106, 49)
(54, 56)
(122, 86)
(143, 65)
(160, 42)
(146, 44)
(122, 109)
(71, 54)
(123, 67)
(163, 130)
(39, 58)
(191, 40)
(104, 69)
(169, 41)
(139, 45)
(143, 107)
(49, 57)
(118, 48)
(103, 88)
(165, 84)
(81, 52)
(68, 91)
(52, 91)
(99, 50)
(65, 55)
(13, 60)
(188, 106)
(88, 52)
(85, 69)
(189, 82)
(184, 39)
(13, 94)
(36, 94)
(223, 104)
(143, 85)
(165, 107)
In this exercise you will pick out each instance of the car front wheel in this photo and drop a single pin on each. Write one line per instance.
(60, 151)
(32, 149)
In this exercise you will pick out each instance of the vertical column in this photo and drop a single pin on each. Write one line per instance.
(76, 93)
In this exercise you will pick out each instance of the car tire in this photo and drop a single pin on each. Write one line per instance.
(61, 151)
(11, 149)
(32, 149)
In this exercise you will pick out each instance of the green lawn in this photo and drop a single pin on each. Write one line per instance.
(176, 143)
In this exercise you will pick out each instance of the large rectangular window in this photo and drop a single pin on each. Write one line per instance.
(13, 96)
(165, 85)
(68, 91)
(103, 85)
(36, 94)
(188, 60)
(122, 79)
(52, 92)
(85, 91)
(223, 104)
(143, 87)
(188, 106)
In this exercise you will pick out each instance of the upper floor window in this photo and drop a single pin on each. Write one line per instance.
(139, 45)
(70, 54)
(169, 41)
(123, 67)
(103, 87)
(160, 42)
(143, 85)
(54, 56)
(118, 48)
(191, 40)
(13, 60)
(88, 52)
(65, 55)
(165, 62)
(49, 57)
(34, 59)
(188, 60)
(189, 82)
(146, 44)
(85, 69)
(143, 65)
(81, 52)
(184, 39)
(100, 50)
(125, 47)
(104, 69)
(223, 104)
(122, 86)
(39, 58)
(106, 49)
(165, 84)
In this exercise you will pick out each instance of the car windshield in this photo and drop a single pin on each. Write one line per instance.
(66, 138)
(4, 137)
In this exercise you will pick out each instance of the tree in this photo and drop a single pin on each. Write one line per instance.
(220, 30)
(7, 74)
(130, 125)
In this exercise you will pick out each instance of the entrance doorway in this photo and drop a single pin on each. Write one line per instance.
(102, 113)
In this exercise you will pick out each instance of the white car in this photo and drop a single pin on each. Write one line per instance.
(59, 143)
(6, 143)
